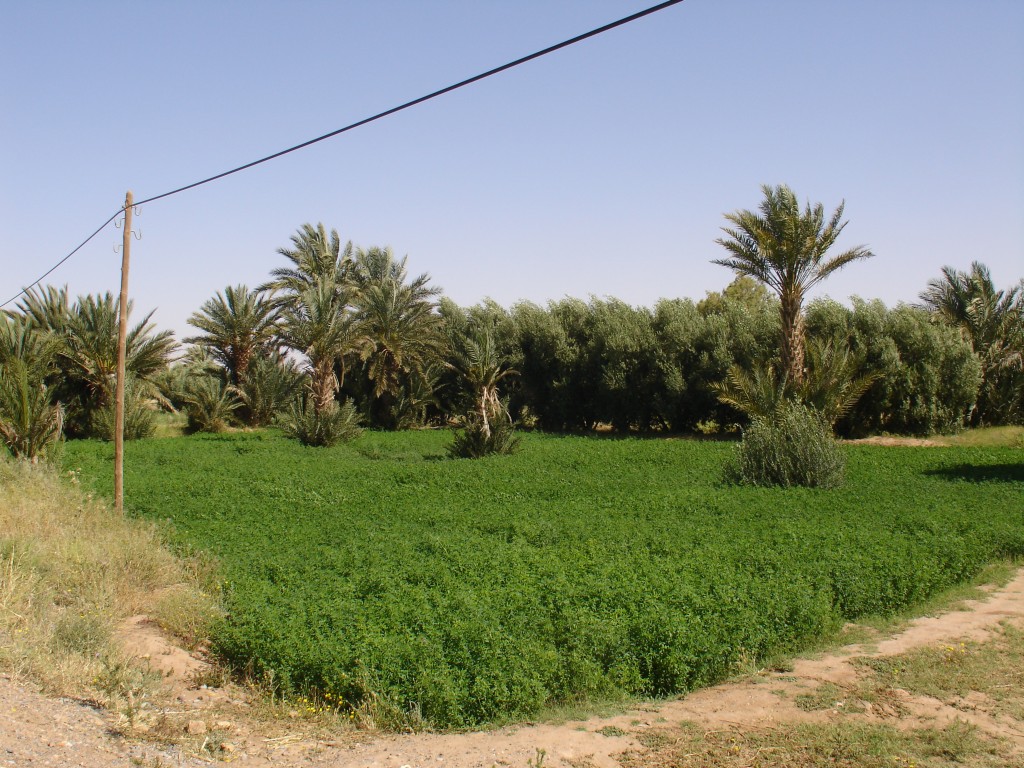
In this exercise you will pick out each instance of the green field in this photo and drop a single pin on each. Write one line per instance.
(467, 592)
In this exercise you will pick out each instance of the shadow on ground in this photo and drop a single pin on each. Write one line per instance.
(983, 473)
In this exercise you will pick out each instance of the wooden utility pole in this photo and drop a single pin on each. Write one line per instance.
(122, 336)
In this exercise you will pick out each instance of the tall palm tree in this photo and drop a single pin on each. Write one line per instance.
(316, 323)
(786, 249)
(237, 326)
(316, 256)
(400, 335)
(993, 321)
(970, 300)
(378, 266)
(399, 327)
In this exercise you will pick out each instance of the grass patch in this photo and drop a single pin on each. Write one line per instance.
(454, 593)
(170, 424)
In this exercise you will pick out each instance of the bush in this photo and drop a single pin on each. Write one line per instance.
(139, 415)
(793, 446)
(324, 428)
(270, 385)
(209, 404)
(474, 442)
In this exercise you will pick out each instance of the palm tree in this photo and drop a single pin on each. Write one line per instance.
(238, 325)
(833, 383)
(92, 345)
(30, 420)
(786, 250)
(46, 308)
(482, 369)
(317, 324)
(993, 321)
(316, 256)
(398, 324)
(378, 266)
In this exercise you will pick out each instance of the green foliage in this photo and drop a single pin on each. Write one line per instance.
(325, 427)
(84, 381)
(238, 327)
(30, 420)
(608, 363)
(140, 409)
(833, 382)
(791, 446)
(488, 426)
(209, 403)
(399, 331)
(270, 385)
(785, 248)
(927, 376)
(470, 592)
(993, 322)
(478, 439)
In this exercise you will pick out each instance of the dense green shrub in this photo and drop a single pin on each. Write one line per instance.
(270, 385)
(473, 441)
(928, 375)
(633, 368)
(140, 411)
(209, 403)
(792, 446)
(329, 426)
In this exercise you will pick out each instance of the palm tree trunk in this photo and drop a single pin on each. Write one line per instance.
(483, 415)
(792, 339)
(242, 359)
(323, 385)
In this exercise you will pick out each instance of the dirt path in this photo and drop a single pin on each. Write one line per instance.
(37, 731)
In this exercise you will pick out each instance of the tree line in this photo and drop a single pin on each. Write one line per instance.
(341, 337)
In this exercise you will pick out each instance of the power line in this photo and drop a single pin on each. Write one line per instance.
(365, 121)
(79, 247)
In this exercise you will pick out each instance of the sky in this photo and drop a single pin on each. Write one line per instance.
(603, 169)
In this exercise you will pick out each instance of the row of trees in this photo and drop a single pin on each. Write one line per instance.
(341, 335)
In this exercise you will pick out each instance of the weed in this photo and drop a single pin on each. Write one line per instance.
(825, 696)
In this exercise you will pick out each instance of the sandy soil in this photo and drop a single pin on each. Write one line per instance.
(37, 731)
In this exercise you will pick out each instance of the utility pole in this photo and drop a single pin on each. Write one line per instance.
(122, 335)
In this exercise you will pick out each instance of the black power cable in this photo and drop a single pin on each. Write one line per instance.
(378, 116)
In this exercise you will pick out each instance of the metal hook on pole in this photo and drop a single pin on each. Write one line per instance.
(137, 235)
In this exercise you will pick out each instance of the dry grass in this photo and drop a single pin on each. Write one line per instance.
(71, 570)
(971, 676)
(953, 671)
(808, 745)
(987, 437)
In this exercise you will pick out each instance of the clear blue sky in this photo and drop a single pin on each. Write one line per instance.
(603, 169)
